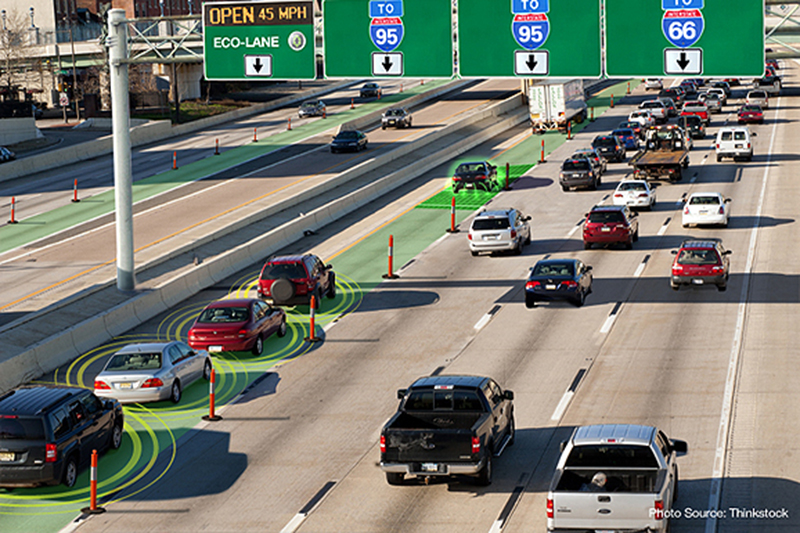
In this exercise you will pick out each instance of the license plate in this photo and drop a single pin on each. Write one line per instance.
(550, 287)
(697, 281)
(739, 146)
(490, 237)
(703, 212)
(215, 348)
(605, 229)
(576, 175)
(6, 456)
(429, 467)
(604, 531)
(125, 385)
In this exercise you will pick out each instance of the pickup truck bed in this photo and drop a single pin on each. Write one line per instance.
(657, 163)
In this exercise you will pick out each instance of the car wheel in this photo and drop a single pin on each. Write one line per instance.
(395, 478)
(282, 328)
(675, 487)
(485, 475)
(719, 158)
(70, 472)
(587, 245)
(207, 370)
(581, 299)
(565, 188)
(629, 244)
(383, 126)
(723, 287)
(512, 431)
(530, 302)
(474, 253)
(636, 235)
(175, 395)
(518, 248)
(331, 292)
(749, 158)
(593, 186)
(528, 238)
(116, 436)
(674, 286)
(258, 347)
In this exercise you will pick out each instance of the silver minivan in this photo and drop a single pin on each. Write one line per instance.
(498, 231)
(734, 142)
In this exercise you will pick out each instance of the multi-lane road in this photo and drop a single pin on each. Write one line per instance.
(298, 451)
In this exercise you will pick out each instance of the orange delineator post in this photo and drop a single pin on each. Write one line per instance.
(75, 191)
(401, 86)
(612, 100)
(541, 160)
(174, 160)
(212, 416)
(289, 124)
(452, 228)
(216, 149)
(93, 508)
(569, 130)
(324, 113)
(312, 313)
(391, 274)
(629, 88)
(255, 134)
(13, 202)
(591, 119)
(351, 104)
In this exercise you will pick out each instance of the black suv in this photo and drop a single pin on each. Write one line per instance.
(294, 279)
(48, 432)
(610, 147)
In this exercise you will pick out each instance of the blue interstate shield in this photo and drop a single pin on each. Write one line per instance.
(682, 27)
(386, 33)
(531, 30)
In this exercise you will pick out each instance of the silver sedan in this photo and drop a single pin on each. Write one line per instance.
(152, 372)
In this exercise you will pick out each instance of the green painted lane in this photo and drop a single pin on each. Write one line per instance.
(45, 224)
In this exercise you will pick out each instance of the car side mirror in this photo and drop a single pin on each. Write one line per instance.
(328, 266)
(727, 252)
(728, 200)
(508, 395)
(674, 252)
(588, 268)
(679, 446)
(754, 134)
(401, 393)
(109, 404)
(527, 218)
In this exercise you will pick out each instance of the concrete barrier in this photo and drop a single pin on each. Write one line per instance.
(64, 346)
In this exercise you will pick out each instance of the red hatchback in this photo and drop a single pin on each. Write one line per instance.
(236, 326)
(610, 224)
(294, 279)
(700, 263)
(695, 107)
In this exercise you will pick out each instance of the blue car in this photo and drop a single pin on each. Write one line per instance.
(628, 137)
(558, 279)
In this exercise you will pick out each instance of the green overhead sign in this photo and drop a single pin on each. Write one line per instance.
(259, 40)
(723, 38)
(388, 38)
(529, 38)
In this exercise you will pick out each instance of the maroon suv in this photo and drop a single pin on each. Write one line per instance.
(294, 279)
(610, 224)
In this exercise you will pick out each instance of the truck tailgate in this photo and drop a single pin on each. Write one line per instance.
(604, 510)
(658, 158)
(428, 445)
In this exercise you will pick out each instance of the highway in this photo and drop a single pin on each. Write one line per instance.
(298, 451)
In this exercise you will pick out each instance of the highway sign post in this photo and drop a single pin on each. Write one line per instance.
(259, 40)
(529, 38)
(722, 38)
(388, 38)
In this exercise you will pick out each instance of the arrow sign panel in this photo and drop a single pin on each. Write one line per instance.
(387, 64)
(531, 63)
(683, 62)
(258, 66)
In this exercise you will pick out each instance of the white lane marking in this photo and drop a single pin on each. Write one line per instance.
(694, 178)
(562, 406)
(663, 229)
(723, 434)
(294, 523)
(496, 527)
(639, 270)
(608, 323)
(483, 321)
(572, 231)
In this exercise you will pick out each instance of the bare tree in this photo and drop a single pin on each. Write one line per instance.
(12, 48)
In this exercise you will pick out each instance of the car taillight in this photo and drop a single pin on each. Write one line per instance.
(718, 268)
(721, 210)
(50, 453)
(101, 385)
(658, 506)
(686, 210)
(677, 268)
(533, 284)
(717, 146)
(643, 195)
(383, 444)
(513, 234)
(456, 178)
(152, 382)
(243, 333)
(618, 195)
(748, 146)
(569, 283)
(469, 236)
(549, 507)
(481, 177)
(476, 445)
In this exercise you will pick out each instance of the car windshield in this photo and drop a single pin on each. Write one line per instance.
(554, 269)
(631, 187)
(309, 105)
(217, 315)
(704, 200)
(370, 86)
(490, 223)
(124, 362)
(284, 270)
(394, 113)
(697, 257)
(347, 135)
(604, 141)
(446, 400)
(467, 168)
(751, 109)
(575, 165)
(604, 217)
(13, 428)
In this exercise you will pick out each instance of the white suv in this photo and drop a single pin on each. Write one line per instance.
(498, 231)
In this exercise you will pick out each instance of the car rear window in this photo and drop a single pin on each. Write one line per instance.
(726, 135)
(758, 94)
(623, 133)
(652, 105)
(490, 223)
(698, 257)
(284, 270)
(616, 456)
(554, 269)
(575, 165)
(217, 315)
(126, 362)
(448, 400)
(467, 168)
(13, 428)
(751, 109)
(739, 136)
(631, 187)
(604, 141)
(704, 200)
(603, 217)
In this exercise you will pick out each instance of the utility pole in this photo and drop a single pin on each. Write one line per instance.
(74, 75)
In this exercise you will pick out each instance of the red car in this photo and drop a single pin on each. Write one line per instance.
(700, 263)
(610, 224)
(236, 326)
(751, 113)
(695, 107)
(294, 279)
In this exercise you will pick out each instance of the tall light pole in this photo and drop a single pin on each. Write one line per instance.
(74, 11)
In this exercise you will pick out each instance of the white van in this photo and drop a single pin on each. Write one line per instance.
(734, 142)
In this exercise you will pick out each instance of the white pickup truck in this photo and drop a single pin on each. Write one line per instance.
(614, 478)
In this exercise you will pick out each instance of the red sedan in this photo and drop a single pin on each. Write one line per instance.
(236, 326)
(749, 113)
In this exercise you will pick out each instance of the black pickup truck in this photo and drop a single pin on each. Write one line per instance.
(445, 426)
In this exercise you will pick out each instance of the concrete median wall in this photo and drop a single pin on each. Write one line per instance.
(64, 346)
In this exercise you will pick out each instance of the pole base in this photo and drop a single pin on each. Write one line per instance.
(390, 276)
(312, 339)
(451, 230)
(96, 510)
(13, 221)
(209, 418)
(75, 201)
